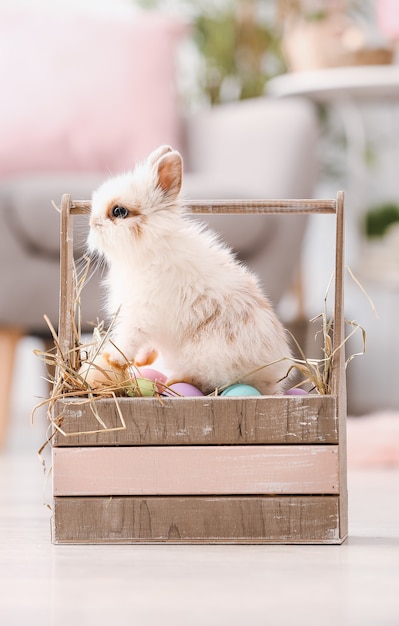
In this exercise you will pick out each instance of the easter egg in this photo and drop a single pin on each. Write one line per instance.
(296, 392)
(100, 373)
(143, 387)
(241, 390)
(182, 389)
(155, 375)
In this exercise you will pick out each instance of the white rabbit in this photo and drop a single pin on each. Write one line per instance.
(177, 289)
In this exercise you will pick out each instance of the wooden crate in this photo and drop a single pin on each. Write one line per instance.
(265, 469)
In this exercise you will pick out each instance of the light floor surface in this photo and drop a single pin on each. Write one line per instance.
(356, 584)
(353, 584)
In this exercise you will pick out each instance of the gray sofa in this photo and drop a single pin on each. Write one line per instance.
(260, 148)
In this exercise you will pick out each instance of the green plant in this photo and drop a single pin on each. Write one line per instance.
(380, 217)
(236, 46)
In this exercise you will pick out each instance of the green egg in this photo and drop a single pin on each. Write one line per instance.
(241, 390)
(142, 387)
(146, 387)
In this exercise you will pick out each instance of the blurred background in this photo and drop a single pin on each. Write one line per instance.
(265, 99)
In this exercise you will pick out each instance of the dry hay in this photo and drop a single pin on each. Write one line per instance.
(69, 382)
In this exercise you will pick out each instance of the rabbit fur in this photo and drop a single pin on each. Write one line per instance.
(176, 289)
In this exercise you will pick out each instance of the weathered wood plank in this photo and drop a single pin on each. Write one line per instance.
(80, 207)
(251, 519)
(188, 421)
(339, 369)
(186, 470)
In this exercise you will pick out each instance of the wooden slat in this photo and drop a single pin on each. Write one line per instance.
(275, 420)
(195, 470)
(238, 206)
(339, 373)
(250, 519)
(66, 282)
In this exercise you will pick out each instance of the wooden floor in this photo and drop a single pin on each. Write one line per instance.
(46, 585)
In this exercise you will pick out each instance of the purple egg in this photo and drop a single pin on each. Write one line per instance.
(182, 389)
(296, 392)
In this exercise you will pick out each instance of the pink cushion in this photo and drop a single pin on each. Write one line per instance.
(84, 93)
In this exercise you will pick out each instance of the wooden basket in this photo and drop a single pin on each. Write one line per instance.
(268, 469)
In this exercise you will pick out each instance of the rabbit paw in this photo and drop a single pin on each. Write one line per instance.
(145, 357)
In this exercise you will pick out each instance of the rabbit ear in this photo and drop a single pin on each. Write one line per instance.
(170, 171)
(158, 153)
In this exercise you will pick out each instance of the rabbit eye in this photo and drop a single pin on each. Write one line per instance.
(120, 212)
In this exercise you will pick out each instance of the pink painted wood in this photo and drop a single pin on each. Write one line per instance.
(196, 470)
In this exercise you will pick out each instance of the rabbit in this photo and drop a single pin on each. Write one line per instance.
(174, 288)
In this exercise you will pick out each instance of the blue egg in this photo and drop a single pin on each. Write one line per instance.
(241, 390)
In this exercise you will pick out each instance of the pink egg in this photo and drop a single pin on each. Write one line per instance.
(149, 372)
(182, 389)
(155, 375)
(296, 392)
